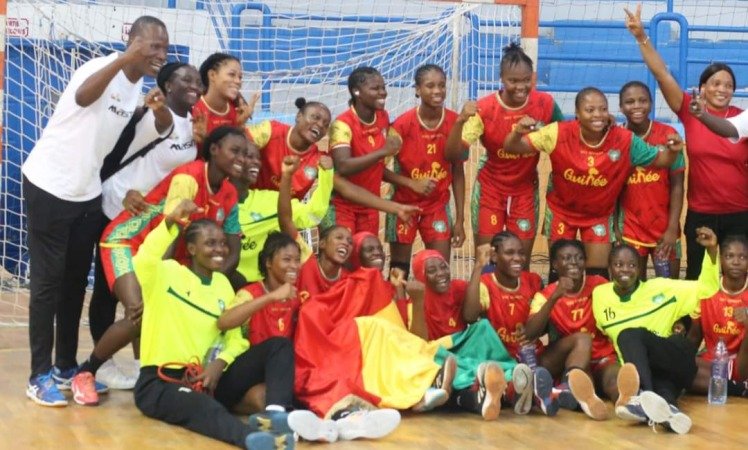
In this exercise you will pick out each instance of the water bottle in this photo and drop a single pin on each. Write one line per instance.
(661, 264)
(215, 348)
(718, 382)
(527, 355)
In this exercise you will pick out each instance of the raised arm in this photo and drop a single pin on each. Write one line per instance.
(458, 190)
(354, 193)
(538, 320)
(244, 306)
(670, 88)
(285, 211)
(514, 142)
(718, 125)
(471, 307)
(155, 100)
(455, 149)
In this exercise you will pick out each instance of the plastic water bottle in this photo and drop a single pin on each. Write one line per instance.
(661, 264)
(527, 355)
(215, 348)
(718, 382)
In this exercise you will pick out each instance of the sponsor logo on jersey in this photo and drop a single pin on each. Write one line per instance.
(643, 175)
(591, 178)
(120, 112)
(436, 172)
(182, 146)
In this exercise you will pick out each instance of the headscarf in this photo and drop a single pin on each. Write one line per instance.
(358, 242)
(443, 311)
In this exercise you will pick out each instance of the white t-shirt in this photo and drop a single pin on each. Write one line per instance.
(145, 172)
(740, 122)
(66, 160)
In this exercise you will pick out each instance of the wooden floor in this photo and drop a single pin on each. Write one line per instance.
(117, 424)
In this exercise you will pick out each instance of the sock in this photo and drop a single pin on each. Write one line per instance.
(737, 388)
(603, 272)
(92, 364)
(467, 399)
(275, 408)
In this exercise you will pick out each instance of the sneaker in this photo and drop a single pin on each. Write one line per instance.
(632, 410)
(110, 375)
(311, 428)
(446, 375)
(433, 398)
(583, 389)
(270, 421)
(261, 440)
(43, 390)
(367, 424)
(628, 384)
(84, 391)
(64, 378)
(522, 382)
(542, 389)
(564, 396)
(659, 411)
(491, 386)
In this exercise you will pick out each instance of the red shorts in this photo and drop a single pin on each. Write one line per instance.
(493, 212)
(594, 231)
(599, 364)
(354, 217)
(434, 225)
(645, 250)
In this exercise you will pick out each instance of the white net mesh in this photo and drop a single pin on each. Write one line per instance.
(288, 49)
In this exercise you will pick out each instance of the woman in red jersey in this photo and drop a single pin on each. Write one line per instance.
(652, 200)
(505, 194)
(359, 146)
(718, 168)
(423, 131)
(591, 159)
(222, 103)
(725, 316)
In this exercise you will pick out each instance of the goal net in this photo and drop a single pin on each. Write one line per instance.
(288, 49)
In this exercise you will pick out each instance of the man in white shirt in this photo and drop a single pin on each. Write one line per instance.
(62, 189)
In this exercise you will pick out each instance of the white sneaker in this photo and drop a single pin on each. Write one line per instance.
(368, 424)
(660, 411)
(311, 428)
(111, 375)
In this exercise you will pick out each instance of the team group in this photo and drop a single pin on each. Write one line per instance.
(196, 218)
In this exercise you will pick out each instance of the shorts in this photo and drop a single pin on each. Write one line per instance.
(493, 212)
(645, 250)
(592, 231)
(354, 217)
(433, 226)
(121, 240)
(599, 364)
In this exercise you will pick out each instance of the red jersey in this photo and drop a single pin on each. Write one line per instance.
(311, 281)
(271, 137)
(214, 119)
(422, 156)
(508, 309)
(188, 181)
(586, 181)
(275, 319)
(443, 312)
(572, 313)
(717, 315)
(718, 169)
(645, 200)
(507, 173)
(348, 130)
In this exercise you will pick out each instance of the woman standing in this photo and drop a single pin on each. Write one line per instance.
(718, 168)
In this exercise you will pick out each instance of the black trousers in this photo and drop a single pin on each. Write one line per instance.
(666, 366)
(722, 224)
(270, 362)
(103, 307)
(61, 236)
